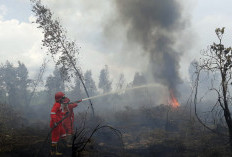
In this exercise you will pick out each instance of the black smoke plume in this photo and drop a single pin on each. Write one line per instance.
(155, 25)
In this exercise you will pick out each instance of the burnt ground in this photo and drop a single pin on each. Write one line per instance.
(147, 144)
(142, 136)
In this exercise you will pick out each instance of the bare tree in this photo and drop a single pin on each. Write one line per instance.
(217, 60)
(38, 80)
(84, 134)
(121, 82)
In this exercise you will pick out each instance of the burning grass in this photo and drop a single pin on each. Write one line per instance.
(173, 100)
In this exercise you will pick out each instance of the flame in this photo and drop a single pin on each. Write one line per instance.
(173, 102)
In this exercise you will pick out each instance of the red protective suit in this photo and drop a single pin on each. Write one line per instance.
(56, 116)
(68, 122)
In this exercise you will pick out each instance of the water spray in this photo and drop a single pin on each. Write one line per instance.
(116, 92)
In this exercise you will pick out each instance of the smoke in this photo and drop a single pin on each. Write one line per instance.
(155, 25)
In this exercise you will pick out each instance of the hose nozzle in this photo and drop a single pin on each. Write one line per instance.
(78, 101)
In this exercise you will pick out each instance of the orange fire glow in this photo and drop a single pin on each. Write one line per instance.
(174, 102)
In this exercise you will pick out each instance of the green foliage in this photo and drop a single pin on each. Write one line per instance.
(14, 84)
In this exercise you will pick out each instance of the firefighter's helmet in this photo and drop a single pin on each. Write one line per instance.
(59, 96)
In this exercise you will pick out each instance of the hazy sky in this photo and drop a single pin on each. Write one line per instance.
(84, 21)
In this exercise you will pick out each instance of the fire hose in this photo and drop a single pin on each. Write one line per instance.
(93, 97)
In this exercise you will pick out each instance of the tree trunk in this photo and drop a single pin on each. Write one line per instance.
(226, 109)
(229, 124)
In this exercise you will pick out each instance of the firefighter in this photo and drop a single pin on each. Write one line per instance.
(56, 116)
(68, 122)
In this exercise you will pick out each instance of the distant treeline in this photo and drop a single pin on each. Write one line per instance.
(23, 93)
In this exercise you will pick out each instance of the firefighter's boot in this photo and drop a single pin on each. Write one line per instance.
(69, 141)
(54, 150)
